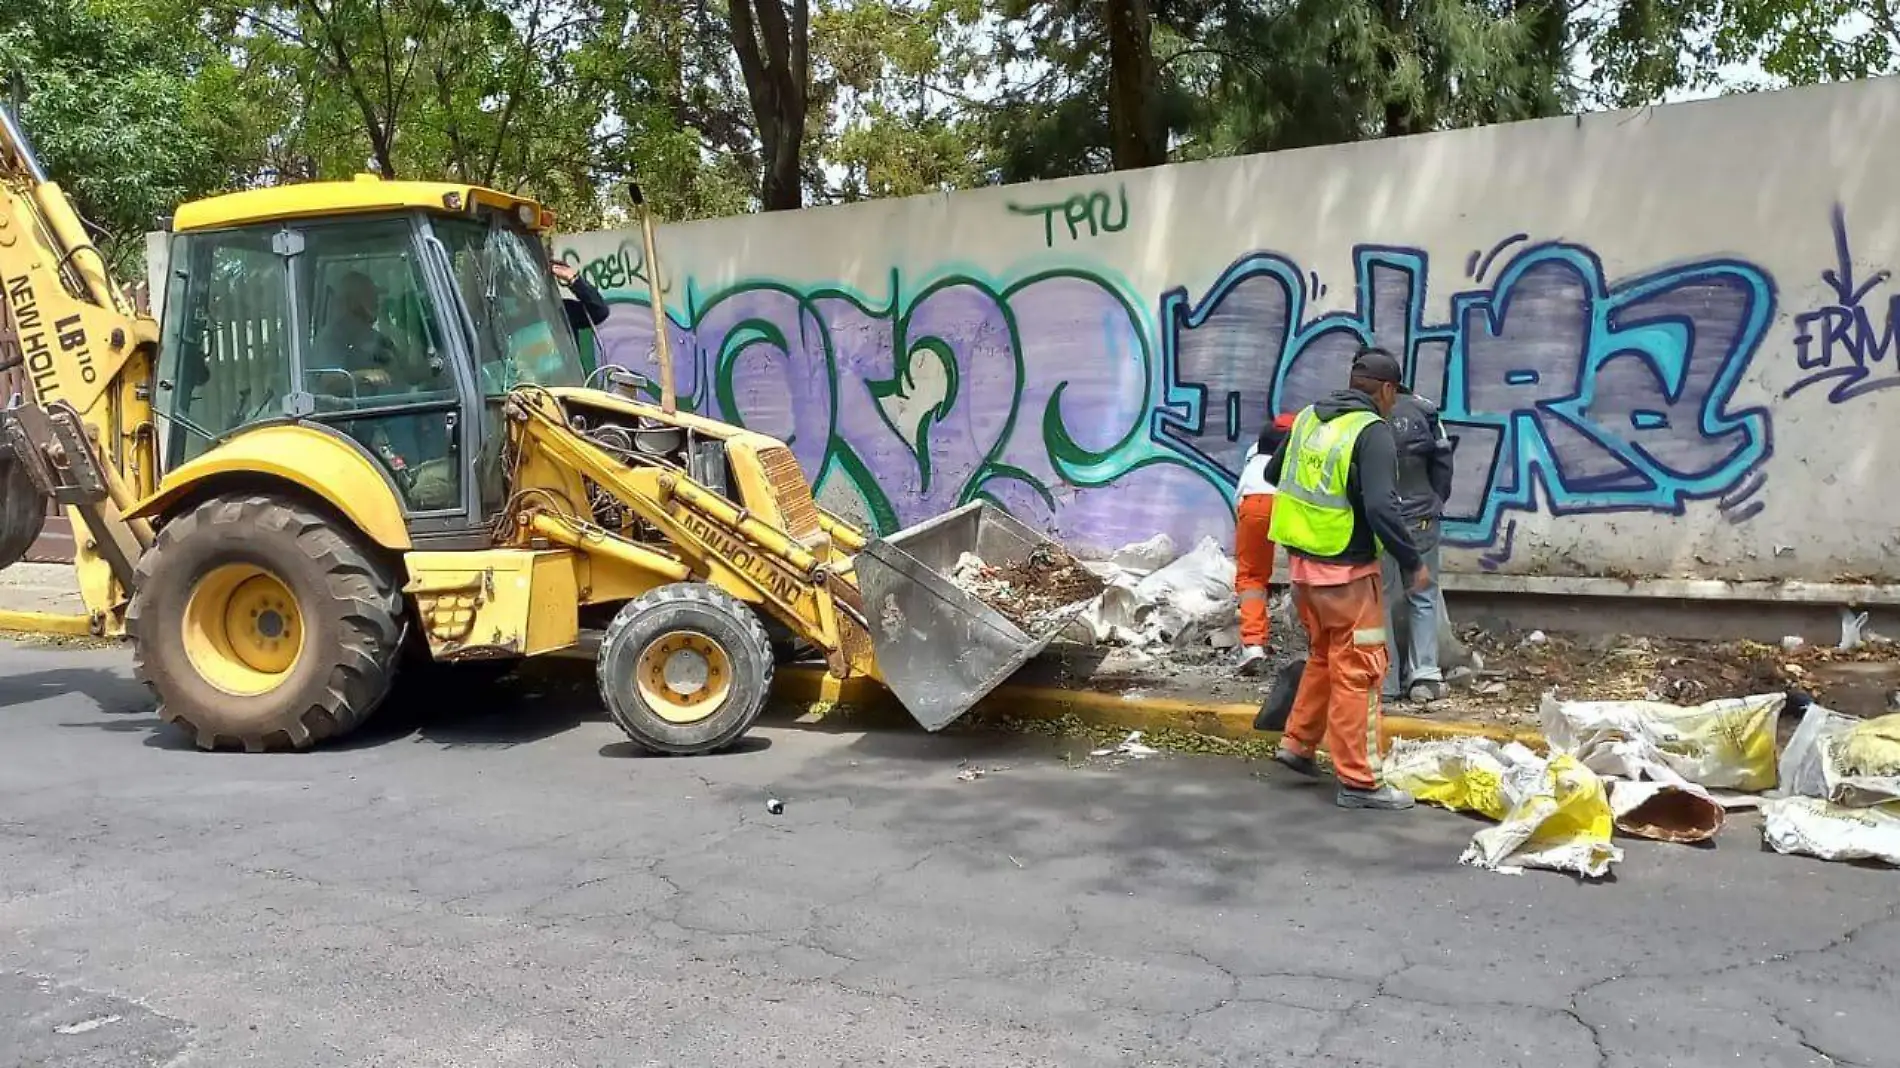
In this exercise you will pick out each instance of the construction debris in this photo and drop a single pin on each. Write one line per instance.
(1832, 832)
(1190, 602)
(1145, 557)
(1130, 746)
(1680, 671)
(1550, 813)
(1036, 592)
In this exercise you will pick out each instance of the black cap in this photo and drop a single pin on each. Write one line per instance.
(1377, 365)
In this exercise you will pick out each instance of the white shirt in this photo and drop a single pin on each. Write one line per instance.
(1253, 476)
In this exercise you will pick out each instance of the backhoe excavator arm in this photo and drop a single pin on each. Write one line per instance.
(81, 429)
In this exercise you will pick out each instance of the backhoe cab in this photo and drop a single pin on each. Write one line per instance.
(378, 446)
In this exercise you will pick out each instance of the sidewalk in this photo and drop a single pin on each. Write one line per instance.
(40, 588)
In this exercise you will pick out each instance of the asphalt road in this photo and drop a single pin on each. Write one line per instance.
(514, 887)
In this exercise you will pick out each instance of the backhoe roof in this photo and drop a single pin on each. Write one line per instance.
(368, 193)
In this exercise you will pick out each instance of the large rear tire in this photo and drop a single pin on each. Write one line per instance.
(685, 669)
(262, 626)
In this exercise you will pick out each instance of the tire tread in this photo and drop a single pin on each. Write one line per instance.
(364, 598)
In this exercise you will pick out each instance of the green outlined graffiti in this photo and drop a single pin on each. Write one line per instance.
(1034, 394)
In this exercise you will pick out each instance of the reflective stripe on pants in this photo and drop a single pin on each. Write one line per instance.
(1253, 565)
(1338, 700)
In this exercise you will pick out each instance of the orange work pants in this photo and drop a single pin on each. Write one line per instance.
(1345, 667)
(1253, 565)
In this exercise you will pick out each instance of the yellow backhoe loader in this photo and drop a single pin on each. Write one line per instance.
(362, 439)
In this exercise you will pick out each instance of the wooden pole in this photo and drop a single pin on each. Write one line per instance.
(662, 345)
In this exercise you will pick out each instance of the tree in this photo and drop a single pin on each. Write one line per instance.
(895, 79)
(128, 115)
(772, 39)
(1648, 49)
(1136, 135)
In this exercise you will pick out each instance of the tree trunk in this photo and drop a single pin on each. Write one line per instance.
(1399, 116)
(1136, 136)
(772, 39)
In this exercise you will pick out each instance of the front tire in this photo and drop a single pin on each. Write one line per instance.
(685, 669)
(262, 626)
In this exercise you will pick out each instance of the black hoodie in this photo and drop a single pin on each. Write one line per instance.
(587, 308)
(1371, 486)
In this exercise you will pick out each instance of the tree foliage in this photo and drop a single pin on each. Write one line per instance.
(129, 116)
(723, 106)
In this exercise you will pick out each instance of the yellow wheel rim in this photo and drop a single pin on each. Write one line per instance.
(244, 630)
(683, 676)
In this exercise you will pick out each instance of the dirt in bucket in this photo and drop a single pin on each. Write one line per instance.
(1031, 591)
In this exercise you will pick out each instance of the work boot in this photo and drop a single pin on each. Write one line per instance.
(1425, 691)
(1253, 660)
(1287, 758)
(1382, 798)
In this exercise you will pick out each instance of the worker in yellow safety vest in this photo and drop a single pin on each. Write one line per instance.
(1336, 509)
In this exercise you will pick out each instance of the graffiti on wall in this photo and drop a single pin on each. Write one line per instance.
(1089, 214)
(1553, 380)
(1061, 397)
(1034, 394)
(1847, 344)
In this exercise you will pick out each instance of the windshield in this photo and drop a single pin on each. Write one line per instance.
(521, 330)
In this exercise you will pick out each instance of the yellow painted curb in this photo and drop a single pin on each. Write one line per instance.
(1230, 721)
(807, 684)
(45, 623)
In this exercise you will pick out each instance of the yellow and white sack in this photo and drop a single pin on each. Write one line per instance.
(1551, 814)
(1818, 828)
(1727, 744)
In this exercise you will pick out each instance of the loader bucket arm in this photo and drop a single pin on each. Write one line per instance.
(77, 359)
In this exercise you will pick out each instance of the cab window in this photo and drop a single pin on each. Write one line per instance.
(225, 357)
(375, 362)
(522, 333)
(371, 335)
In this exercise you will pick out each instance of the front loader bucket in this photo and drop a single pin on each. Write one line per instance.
(22, 509)
(939, 648)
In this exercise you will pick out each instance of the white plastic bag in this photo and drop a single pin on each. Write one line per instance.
(1726, 744)
(1181, 603)
(1144, 557)
(1814, 827)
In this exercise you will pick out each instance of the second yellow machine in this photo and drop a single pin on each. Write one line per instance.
(362, 439)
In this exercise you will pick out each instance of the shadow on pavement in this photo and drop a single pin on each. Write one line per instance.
(527, 706)
(111, 691)
(622, 750)
(1195, 828)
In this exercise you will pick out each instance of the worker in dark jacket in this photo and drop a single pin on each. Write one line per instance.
(1425, 455)
(587, 308)
(1337, 505)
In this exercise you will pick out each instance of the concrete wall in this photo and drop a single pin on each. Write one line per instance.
(1662, 337)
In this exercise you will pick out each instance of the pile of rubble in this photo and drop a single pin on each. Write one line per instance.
(1036, 593)
(1513, 669)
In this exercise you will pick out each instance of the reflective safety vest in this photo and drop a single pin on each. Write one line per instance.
(1311, 512)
